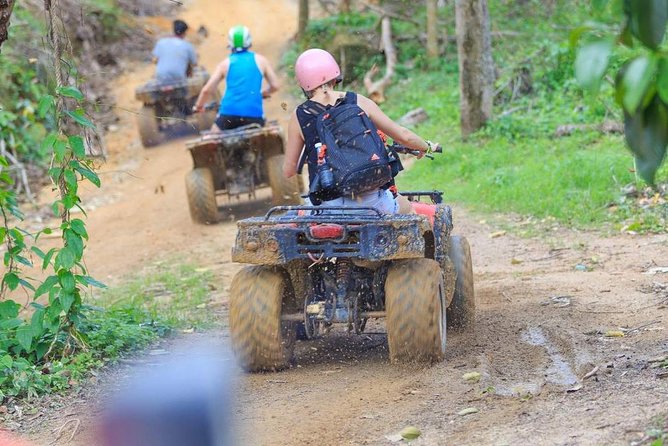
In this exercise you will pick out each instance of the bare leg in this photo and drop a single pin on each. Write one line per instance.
(404, 205)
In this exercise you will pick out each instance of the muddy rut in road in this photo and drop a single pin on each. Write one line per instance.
(541, 323)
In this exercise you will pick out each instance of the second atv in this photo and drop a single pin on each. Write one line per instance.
(235, 163)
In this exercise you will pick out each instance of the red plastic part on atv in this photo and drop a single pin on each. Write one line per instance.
(426, 209)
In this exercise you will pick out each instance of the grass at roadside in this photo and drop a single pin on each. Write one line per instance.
(516, 164)
(121, 320)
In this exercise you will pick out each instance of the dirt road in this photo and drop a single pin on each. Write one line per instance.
(549, 374)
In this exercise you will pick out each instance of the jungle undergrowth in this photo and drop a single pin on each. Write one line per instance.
(58, 336)
(518, 163)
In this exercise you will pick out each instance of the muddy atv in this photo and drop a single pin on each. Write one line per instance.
(235, 163)
(314, 267)
(167, 105)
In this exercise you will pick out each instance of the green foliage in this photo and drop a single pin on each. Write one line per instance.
(178, 293)
(55, 329)
(516, 164)
(109, 332)
(641, 83)
(124, 319)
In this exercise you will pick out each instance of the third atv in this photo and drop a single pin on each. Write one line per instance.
(167, 104)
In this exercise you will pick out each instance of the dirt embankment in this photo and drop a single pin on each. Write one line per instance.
(548, 372)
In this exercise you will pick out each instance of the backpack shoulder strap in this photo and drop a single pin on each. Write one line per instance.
(312, 108)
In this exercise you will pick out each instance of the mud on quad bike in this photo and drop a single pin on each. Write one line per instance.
(334, 265)
(168, 103)
(236, 163)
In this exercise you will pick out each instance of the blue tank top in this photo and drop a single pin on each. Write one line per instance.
(243, 91)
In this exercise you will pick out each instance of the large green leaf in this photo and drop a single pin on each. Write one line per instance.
(636, 78)
(37, 323)
(78, 117)
(646, 133)
(66, 300)
(648, 21)
(590, 64)
(24, 336)
(9, 309)
(67, 281)
(74, 242)
(77, 145)
(662, 79)
(11, 280)
(65, 258)
(79, 227)
(70, 92)
(6, 362)
(46, 286)
(87, 280)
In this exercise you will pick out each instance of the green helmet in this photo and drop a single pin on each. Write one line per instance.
(239, 38)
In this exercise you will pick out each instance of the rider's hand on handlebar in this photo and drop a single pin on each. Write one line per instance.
(434, 147)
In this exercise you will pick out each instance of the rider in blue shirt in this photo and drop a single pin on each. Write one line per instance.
(244, 71)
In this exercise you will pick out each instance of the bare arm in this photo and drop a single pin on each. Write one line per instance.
(293, 149)
(211, 85)
(398, 133)
(269, 74)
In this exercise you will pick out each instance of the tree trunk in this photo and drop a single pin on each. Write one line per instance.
(6, 7)
(432, 36)
(345, 6)
(303, 18)
(476, 66)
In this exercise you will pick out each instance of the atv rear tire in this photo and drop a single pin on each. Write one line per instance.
(149, 132)
(201, 195)
(261, 340)
(415, 306)
(461, 312)
(284, 191)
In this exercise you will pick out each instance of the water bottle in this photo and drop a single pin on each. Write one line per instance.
(325, 174)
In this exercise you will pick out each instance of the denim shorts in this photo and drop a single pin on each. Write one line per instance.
(383, 200)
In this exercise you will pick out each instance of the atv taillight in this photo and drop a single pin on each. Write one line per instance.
(326, 231)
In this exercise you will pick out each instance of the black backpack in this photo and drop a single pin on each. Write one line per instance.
(355, 157)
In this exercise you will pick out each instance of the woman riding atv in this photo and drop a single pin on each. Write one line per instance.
(318, 74)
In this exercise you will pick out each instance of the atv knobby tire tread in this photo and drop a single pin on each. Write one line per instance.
(201, 195)
(260, 339)
(149, 132)
(461, 312)
(414, 303)
(284, 191)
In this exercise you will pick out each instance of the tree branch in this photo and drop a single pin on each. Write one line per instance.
(376, 90)
(6, 7)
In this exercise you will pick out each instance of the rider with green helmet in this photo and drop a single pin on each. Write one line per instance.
(244, 72)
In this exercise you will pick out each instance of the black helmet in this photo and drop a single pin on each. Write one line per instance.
(180, 27)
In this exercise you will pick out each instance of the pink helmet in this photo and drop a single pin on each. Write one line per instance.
(315, 67)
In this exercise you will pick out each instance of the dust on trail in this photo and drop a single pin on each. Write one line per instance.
(540, 323)
(141, 213)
